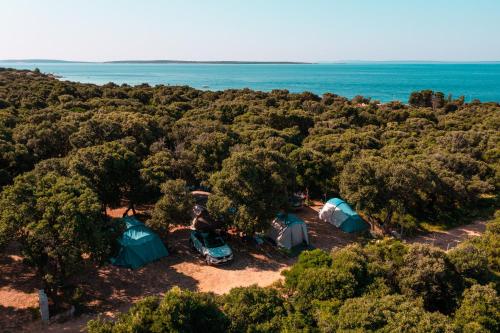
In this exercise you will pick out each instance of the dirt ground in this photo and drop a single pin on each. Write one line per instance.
(451, 238)
(110, 289)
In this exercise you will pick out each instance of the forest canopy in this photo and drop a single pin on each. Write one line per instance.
(434, 160)
(70, 150)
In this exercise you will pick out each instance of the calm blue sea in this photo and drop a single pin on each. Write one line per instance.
(381, 81)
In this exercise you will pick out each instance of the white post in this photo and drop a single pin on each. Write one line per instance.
(44, 305)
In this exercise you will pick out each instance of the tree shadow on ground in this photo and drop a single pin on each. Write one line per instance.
(12, 319)
(109, 287)
(15, 273)
(246, 256)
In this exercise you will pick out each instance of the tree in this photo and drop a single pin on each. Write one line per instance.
(210, 149)
(479, 310)
(428, 273)
(323, 284)
(57, 220)
(173, 207)
(314, 170)
(393, 313)
(251, 188)
(307, 259)
(111, 169)
(421, 98)
(471, 262)
(253, 309)
(352, 260)
(45, 133)
(382, 188)
(158, 168)
(178, 311)
(385, 258)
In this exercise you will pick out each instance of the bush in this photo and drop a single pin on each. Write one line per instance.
(177, 311)
(479, 310)
(428, 273)
(387, 314)
(324, 284)
(253, 309)
(351, 259)
(471, 262)
(307, 259)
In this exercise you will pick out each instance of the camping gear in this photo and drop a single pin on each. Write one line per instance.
(337, 212)
(139, 245)
(296, 201)
(288, 231)
(204, 222)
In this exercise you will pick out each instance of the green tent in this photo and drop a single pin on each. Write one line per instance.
(339, 213)
(139, 245)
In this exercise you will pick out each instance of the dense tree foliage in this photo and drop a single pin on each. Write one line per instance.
(253, 309)
(431, 161)
(251, 188)
(56, 219)
(177, 311)
(173, 207)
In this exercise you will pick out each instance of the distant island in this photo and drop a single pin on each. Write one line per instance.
(218, 62)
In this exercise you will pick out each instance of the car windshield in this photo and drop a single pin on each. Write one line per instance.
(213, 241)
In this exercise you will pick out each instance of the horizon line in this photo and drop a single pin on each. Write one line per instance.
(173, 61)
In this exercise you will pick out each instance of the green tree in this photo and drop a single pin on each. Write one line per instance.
(172, 208)
(158, 168)
(471, 262)
(382, 188)
(111, 169)
(178, 311)
(251, 188)
(314, 170)
(307, 259)
(253, 309)
(394, 313)
(479, 310)
(428, 273)
(352, 260)
(210, 149)
(57, 220)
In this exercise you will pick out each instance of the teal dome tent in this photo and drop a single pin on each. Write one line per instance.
(139, 245)
(337, 212)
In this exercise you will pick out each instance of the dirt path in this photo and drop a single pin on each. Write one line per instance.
(451, 238)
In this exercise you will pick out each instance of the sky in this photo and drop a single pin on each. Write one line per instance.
(251, 30)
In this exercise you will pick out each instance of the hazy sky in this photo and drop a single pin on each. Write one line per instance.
(295, 30)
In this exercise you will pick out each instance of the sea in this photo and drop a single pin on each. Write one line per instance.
(382, 81)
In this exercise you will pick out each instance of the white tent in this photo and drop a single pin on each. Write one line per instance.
(288, 231)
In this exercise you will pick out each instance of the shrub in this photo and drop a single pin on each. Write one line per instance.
(479, 311)
(428, 273)
(253, 309)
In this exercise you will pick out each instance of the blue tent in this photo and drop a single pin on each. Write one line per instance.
(339, 213)
(139, 245)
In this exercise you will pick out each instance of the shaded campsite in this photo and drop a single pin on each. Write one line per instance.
(110, 289)
(323, 235)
